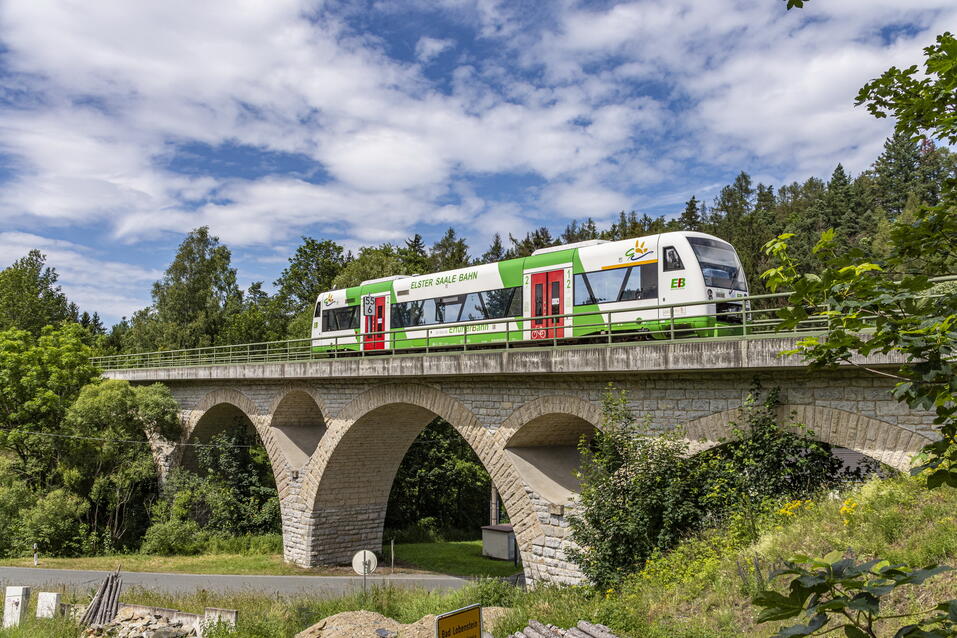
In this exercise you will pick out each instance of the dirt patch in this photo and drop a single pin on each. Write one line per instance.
(364, 624)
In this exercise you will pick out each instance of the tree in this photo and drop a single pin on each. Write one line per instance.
(496, 251)
(575, 232)
(691, 217)
(898, 173)
(538, 238)
(901, 314)
(39, 379)
(441, 479)
(193, 300)
(373, 262)
(260, 318)
(450, 252)
(117, 478)
(30, 297)
(414, 257)
(311, 270)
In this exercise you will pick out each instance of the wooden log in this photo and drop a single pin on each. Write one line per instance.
(550, 631)
(595, 631)
(94, 605)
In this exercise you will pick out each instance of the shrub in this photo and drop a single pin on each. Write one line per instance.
(173, 537)
(54, 524)
(641, 494)
(633, 496)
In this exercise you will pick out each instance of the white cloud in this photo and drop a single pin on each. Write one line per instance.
(616, 107)
(112, 288)
(427, 49)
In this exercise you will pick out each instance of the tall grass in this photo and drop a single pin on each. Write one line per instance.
(701, 589)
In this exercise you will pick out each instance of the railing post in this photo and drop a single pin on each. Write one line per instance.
(609, 327)
(671, 316)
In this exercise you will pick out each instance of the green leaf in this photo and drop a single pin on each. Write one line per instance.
(853, 632)
(815, 623)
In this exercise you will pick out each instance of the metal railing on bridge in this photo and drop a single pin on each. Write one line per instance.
(754, 316)
(739, 317)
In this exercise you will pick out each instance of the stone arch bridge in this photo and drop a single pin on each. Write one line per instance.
(336, 430)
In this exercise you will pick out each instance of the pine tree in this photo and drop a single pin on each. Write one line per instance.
(450, 252)
(690, 218)
(837, 208)
(414, 258)
(898, 173)
(575, 232)
(538, 238)
(496, 251)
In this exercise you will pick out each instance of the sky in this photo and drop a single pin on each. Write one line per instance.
(124, 125)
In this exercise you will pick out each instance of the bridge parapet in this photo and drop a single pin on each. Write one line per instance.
(642, 357)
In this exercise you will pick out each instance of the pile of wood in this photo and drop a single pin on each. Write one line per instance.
(102, 609)
(583, 629)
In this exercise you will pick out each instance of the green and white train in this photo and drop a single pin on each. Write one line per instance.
(560, 293)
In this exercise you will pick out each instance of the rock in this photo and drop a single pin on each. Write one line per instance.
(129, 624)
(386, 633)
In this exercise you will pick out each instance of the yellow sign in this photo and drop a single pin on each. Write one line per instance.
(461, 623)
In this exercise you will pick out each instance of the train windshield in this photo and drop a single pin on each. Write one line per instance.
(719, 264)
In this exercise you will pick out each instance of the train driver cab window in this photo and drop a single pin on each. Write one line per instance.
(672, 260)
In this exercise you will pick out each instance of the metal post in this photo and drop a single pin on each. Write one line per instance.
(671, 313)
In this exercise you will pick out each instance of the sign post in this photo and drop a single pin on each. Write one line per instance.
(461, 623)
(364, 563)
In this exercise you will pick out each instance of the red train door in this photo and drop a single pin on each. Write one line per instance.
(548, 298)
(375, 323)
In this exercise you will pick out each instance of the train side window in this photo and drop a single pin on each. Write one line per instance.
(642, 283)
(472, 309)
(340, 318)
(672, 259)
(515, 307)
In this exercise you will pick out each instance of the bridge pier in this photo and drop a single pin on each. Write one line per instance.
(337, 430)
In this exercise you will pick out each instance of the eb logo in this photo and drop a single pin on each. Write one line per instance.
(678, 282)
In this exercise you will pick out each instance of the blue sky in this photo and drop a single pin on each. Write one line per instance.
(123, 125)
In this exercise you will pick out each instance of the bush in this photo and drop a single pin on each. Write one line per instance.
(54, 524)
(642, 494)
(174, 537)
(633, 496)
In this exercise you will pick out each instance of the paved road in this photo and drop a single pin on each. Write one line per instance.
(185, 583)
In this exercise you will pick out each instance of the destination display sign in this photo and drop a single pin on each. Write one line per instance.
(461, 623)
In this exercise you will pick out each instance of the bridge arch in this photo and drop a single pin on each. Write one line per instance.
(347, 481)
(888, 443)
(297, 422)
(541, 439)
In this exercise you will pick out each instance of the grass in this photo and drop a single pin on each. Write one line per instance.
(460, 558)
(702, 589)
(456, 558)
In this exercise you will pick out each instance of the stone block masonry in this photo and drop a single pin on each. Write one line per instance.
(336, 430)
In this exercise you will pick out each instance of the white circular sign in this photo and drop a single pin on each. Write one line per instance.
(364, 562)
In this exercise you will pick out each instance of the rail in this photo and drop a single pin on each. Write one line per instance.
(750, 317)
